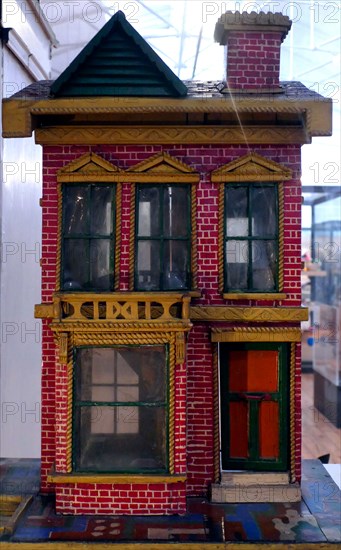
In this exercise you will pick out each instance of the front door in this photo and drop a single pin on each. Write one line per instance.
(254, 415)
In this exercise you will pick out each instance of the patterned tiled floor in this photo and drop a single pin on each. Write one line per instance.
(314, 519)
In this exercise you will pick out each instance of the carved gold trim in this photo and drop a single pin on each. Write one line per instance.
(132, 237)
(162, 163)
(69, 404)
(221, 212)
(249, 168)
(170, 135)
(116, 479)
(43, 311)
(255, 314)
(292, 413)
(171, 420)
(254, 296)
(280, 237)
(216, 415)
(118, 231)
(256, 334)
(194, 237)
(180, 346)
(62, 338)
(89, 163)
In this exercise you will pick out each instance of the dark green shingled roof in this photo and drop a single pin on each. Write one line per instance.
(118, 62)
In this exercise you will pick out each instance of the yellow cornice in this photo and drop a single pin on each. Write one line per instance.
(168, 135)
(20, 115)
(255, 334)
(254, 314)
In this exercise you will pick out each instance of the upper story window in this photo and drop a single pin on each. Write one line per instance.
(163, 237)
(251, 237)
(164, 225)
(88, 237)
(89, 232)
(251, 227)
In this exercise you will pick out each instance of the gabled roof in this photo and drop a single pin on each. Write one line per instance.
(118, 62)
(250, 167)
(162, 163)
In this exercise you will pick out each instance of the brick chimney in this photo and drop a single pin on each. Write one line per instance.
(253, 43)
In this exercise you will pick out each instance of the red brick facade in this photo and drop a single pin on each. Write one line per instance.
(194, 389)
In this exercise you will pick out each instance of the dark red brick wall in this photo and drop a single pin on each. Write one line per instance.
(253, 59)
(199, 459)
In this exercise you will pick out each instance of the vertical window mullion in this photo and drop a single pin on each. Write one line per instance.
(161, 236)
(250, 239)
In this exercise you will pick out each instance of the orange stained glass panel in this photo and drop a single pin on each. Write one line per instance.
(253, 370)
(268, 429)
(238, 429)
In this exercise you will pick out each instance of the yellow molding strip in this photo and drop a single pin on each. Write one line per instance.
(255, 314)
(254, 296)
(128, 177)
(54, 477)
(169, 135)
(256, 334)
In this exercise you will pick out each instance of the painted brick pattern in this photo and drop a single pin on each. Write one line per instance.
(199, 378)
(253, 59)
(144, 499)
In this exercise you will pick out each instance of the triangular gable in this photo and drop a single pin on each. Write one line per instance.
(162, 168)
(87, 167)
(118, 62)
(251, 167)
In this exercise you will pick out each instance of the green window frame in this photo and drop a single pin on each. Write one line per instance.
(128, 433)
(251, 237)
(166, 249)
(88, 237)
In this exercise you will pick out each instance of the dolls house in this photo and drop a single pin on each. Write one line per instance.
(171, 263)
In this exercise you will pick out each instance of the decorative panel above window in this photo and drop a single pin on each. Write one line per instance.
(164, 225)
(251, 227)
(89, 228)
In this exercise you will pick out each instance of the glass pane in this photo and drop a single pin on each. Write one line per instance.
(101, 210)
(120, 439)
(264, 217)
(148, 212)
(76, 214)
(75, 264)
(145, 366)
(238, 421)
(100, 264)
(236, 266)
(176, 218)
(253, 370)
(268, 429)
(121, 374)
(236, 212)
(264, 265)
(148, 265)
(176, 265)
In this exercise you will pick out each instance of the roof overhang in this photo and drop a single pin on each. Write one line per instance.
(22, 116)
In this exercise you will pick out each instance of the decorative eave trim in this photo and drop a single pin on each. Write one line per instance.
(19, 114)
(256, 334)
(169, 135)
(254, 314)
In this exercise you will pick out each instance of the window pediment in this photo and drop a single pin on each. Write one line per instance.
(88, 167)
(162, 168)
(251, 167)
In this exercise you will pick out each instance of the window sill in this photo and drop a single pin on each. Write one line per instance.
(54, 477)
(254, 296)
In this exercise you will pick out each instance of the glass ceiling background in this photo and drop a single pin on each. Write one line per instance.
(181, 32)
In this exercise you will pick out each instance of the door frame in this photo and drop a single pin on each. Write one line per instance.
(258, 464)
